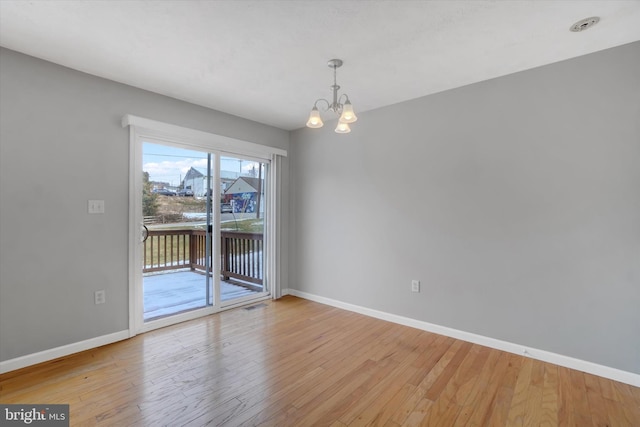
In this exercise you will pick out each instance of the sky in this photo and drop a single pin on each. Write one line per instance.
(170, 164)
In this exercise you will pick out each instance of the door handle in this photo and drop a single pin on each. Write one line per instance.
(145, 233)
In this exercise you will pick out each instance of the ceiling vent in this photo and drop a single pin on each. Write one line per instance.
(583, 24)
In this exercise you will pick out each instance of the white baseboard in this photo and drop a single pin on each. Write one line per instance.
(65, 350)
(545, 356)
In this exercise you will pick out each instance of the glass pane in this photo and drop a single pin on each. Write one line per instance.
(242, 230)
(175, 206)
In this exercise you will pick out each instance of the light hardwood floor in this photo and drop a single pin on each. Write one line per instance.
(294, 362)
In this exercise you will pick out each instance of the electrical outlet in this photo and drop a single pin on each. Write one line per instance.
(100, 297)
(415, 286)
(96, 206)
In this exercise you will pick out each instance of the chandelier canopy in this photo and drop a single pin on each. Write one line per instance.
(343, 110)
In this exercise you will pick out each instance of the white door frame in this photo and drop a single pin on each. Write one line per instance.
(141, 129)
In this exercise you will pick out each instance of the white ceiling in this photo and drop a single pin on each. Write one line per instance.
(266, 60)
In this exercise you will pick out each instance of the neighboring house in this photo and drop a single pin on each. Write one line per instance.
(227, 178)
(243, 194)
(195, 181)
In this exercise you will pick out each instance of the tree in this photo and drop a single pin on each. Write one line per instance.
(149, 199)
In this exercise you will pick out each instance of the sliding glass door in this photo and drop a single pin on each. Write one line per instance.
(204, 217)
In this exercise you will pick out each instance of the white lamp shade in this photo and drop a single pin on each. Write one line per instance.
(315, 121)
(343, 127)
(348, 116)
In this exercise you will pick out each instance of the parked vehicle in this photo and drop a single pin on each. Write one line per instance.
(164, 192)
(185, 193)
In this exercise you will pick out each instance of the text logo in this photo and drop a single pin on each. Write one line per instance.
(34, 415)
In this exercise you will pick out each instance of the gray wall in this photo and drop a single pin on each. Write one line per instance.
(515, 201)
(61, 144)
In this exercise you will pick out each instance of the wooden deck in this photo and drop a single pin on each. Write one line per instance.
(294, 362)
(172, 292)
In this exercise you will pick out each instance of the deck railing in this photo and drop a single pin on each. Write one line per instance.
(167, 250)
(240, 254)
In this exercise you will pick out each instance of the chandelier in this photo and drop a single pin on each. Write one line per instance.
(344, 110)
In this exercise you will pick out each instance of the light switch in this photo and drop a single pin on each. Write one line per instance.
(96, 206)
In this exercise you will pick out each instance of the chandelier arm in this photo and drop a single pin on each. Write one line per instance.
(346, 98)
(315, 104)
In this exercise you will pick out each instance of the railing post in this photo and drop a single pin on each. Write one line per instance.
(224, 250)
(192, 250)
